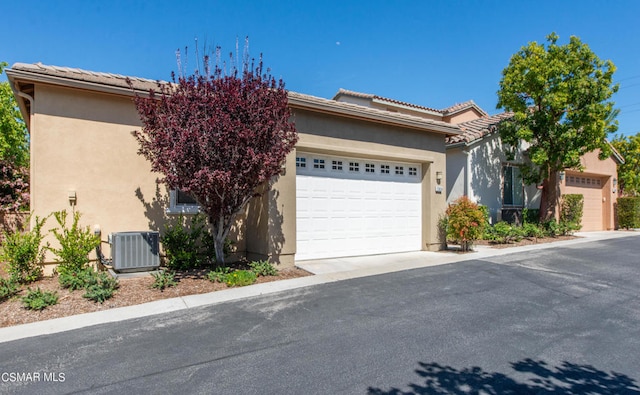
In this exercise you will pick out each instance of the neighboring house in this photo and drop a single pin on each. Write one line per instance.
(360, 181)
(477, 165)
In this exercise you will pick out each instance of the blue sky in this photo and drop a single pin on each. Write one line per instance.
(432, 53)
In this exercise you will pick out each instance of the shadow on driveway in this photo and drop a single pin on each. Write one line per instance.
(568, 378)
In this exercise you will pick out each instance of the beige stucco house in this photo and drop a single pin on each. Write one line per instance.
(360, 181)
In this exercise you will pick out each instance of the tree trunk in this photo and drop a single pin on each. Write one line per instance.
(550, 199)
(218, 240)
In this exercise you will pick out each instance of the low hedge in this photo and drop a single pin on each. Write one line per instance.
(629, 212)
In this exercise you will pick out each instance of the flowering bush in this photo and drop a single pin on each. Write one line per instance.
(466, 222)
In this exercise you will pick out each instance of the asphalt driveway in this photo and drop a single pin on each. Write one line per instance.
(556, 320)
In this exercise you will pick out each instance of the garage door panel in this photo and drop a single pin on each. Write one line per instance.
(590, 187)
(342, 213)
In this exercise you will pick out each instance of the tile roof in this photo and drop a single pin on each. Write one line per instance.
(296, 99)
(110, 79)
(463, 106)
(444, 112)
(380, 98)
(477, 128)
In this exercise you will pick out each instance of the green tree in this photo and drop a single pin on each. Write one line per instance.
(559, 96)
(629, 171)
(14, 138)
(14, 152)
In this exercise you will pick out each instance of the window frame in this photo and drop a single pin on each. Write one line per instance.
(513, 183)
(176, 208)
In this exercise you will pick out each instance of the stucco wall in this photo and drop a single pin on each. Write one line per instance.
(324, 133)
(606, 170)
(486, 158)
(81, 143)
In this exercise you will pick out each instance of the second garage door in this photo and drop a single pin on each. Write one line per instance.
(590, 187)
(348, 206)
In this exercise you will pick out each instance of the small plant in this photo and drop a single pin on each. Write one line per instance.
(466, 222)
(75, 243)
(23, 253)
(443, 223)
(219, 274)
(505, 233)
(571, 213)
(100, 287)
(263, 268)
(532, 230)
(36, 299)
(75, 279)
(163, 279)
(187, 243)
(8, 288)
(551, 228)
(240, 278)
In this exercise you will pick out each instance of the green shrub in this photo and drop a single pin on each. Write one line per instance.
(263, 268)
(530, 216)
(240, 278)
(551, 228)
(75, 243)
(530, 229)
(188, 243)
(219, 274)
(571, 210)
(163, 279)
(76, 279)
(8, 288)
(466, 222)
(487, 233)
(36, 299)
(504, 232)
(443, 223)
(23, 253)
(628, 209)
(100, 287)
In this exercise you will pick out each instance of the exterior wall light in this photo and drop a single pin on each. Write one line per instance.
(562, 176)
(439, 177)
(72, 197)
(615, 182)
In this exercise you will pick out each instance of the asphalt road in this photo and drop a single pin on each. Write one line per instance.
(558, 320)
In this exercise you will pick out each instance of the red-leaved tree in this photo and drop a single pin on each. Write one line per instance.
(218, 137)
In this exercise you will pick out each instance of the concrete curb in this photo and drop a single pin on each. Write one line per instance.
(348, 268)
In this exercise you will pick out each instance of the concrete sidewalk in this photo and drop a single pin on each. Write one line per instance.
(325, 271)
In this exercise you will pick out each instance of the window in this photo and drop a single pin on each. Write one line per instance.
(301, 162)
(354, 166)
(182, 203)
(399, 170)
(369, 168)
(413, 171)
(318, 163)
(336, 165)
(512, 189)
(384, 169)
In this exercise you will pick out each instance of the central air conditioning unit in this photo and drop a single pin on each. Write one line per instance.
(135, 251)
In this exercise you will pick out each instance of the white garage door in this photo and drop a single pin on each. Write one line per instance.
(350, 207)
(591, 188)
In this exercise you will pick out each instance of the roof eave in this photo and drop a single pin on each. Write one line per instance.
(26, 115)
(365, 113)
(21, 75)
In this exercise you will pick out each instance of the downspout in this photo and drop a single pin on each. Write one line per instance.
(467, 175)
(24, 95)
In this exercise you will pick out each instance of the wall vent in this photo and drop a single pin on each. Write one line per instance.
(135, 251)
